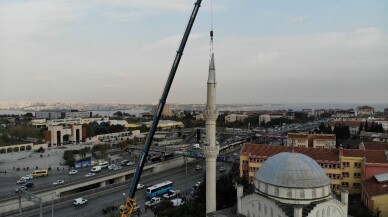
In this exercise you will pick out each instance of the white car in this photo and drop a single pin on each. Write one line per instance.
(197, 184)
(198, 167)
(79, 201)
(130, 163)
(169, 194)
(111, 167)
(58, 182)
(90, 174)
(27, 177)
(153, 201)
(73, 172)
(21, 181)
(117, 168)
(139, 186)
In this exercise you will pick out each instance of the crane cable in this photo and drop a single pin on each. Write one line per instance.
(211, 28)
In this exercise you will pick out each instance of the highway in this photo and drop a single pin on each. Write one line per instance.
(178, 176)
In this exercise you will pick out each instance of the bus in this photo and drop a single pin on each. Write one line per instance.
(39, 173)
(158, 189)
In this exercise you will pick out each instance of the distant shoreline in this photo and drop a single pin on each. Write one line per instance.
(221, 107)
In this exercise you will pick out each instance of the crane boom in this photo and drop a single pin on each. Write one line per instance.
(129, 204)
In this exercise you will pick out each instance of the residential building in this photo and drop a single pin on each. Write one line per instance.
(324, 141)
(346, 168)
(235, 117)
(365, 110)
(374, 193)
(354, 126)
(384, 124)
(52, 115)
(264, 119)
(375, 137)
(167, 110)
(311, 140)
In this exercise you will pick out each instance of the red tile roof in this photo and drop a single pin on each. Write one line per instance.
(268, 151)
(374, 188)
(375, 145)
(372, 156)
(318, 154)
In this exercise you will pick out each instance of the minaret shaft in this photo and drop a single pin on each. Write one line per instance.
(211, 150)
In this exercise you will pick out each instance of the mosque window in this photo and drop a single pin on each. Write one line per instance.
(328, 211)
(277, 191)
(301, 193)
(314, 193)
(265, 209)
(271, 212)
(259, 207)
(289, 193)
(323, 213)
(266, 188)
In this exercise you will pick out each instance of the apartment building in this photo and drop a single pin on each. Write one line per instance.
(311, 140)
(235, 117)
(346, 168)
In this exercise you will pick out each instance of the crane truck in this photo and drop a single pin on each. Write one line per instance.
(130, 200)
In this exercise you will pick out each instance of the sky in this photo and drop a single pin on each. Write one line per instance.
(306, 51)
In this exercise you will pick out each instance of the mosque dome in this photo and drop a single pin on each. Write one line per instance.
(292, 170)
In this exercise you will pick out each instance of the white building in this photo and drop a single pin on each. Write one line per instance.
(264, 118)
(235, 117)
(291, 184)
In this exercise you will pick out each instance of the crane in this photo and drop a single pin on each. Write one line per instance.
(130, 200)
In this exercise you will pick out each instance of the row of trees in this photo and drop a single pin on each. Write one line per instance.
(70, 155)
(374, 127)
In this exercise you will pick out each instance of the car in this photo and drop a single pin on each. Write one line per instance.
(109, 209)
(235, 154)
(139, 186)
(21, 181)
(117, 168)
(198, 167)
(96, 169)
(21, 188)
(222, 169)
(27, 177)
(58, 182)
(178, 201)
(153, 201)
(197, 184)
(25, 187)
(90, 174)
(111, 167)
(130, 163)
(169, 194)
(135, 207)
(124, 162)
(79, 201)
(73, 172)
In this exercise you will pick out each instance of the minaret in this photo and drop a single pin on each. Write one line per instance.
(211, 149)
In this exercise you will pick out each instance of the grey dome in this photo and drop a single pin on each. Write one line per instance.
(293, 170)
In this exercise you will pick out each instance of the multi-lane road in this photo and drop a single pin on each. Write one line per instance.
(115, 196)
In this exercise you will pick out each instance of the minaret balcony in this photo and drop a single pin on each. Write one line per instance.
(211, 151)
(210, 115)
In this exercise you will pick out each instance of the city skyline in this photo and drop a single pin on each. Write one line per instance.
(267, 52)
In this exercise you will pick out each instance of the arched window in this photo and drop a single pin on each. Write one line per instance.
(249, 214)
(314, 193)
(277, 191)
(328, 211)
(266, 188)
(323, 213)
(289, 193)
(259, 207)
(301, 193)
(265, 209)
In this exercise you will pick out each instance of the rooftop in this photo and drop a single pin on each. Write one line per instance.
(374, 188)
(375, 145)
(372, 156)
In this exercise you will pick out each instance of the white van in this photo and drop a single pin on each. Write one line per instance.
(103, 164)
(96, 169)
(197, 146)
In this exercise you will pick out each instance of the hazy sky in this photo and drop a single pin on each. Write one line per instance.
(276, 51)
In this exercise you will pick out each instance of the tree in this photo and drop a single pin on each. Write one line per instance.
(361, 128)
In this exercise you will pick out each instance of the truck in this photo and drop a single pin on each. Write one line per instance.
(153, 201)
(96, 169)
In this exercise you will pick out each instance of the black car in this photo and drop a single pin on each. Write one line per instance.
(24, 187)
(109, 209)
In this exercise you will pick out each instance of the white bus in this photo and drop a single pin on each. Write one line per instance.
(103, 164)
(158, 189)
